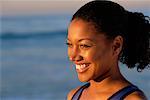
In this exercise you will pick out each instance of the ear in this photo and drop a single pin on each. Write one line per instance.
(117, 45)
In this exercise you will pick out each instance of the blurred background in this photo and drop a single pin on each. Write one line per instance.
(34, 63)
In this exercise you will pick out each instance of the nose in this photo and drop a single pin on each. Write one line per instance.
(76, 58)
(75, 55)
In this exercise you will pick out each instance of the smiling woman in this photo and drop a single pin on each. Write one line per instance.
(101, 34)
(93, 48)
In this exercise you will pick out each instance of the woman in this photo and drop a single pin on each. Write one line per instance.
(101, 34)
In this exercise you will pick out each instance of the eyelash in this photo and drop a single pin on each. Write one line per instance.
(69, 44)
(83, 46)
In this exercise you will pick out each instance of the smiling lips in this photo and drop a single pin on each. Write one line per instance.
(81, 67)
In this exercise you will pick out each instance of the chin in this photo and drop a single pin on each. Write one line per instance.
(83, 78)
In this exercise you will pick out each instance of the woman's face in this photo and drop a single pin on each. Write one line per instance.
(90, 51)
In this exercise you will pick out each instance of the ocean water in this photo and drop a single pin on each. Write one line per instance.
(34, 63)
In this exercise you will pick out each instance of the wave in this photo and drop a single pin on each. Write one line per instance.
(37, 35)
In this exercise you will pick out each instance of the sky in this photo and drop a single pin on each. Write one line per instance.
(50, 7)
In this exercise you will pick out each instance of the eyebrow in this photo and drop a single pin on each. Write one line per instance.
(82, 39)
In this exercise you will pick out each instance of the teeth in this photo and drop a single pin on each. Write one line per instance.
(80, 67)
(83, 66)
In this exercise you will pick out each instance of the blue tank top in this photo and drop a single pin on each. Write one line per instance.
(119, 95)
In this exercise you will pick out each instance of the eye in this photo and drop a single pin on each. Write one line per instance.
(69, 44)
(84, 46)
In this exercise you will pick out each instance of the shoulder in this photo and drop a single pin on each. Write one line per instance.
(136, 96)
(72, 92)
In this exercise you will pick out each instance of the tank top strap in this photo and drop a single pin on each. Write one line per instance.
(121, 94)
(78, 93)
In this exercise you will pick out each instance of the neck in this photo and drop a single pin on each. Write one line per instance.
(107, 80)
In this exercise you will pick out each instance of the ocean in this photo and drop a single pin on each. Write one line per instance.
(34, 62)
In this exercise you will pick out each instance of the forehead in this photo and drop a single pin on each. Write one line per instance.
(80, 26)
(79, 29)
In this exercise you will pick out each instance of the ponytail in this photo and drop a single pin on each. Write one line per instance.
(136, 52)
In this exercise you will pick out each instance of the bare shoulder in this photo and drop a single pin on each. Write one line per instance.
(72, 92)
(136, 96)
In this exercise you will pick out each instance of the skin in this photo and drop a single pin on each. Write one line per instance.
(86, 45)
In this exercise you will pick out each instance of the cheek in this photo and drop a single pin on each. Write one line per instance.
(98, 55)
(92, 55)
(69, 52)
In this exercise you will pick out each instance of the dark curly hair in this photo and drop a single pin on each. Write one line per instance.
(114, 20)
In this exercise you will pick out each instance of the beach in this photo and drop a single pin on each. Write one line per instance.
(34, 62)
